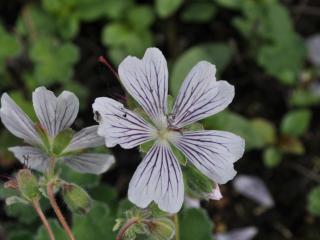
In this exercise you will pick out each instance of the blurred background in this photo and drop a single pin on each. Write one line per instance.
(268, 49)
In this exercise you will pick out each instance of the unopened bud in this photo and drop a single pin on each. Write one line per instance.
(28, 184)
(76, 198)
(161, 228)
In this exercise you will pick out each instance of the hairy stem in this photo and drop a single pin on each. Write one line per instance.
(125, 227)
(176, 223)
(58, 212)
(43, 218)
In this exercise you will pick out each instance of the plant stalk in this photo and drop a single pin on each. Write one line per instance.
(125, 227)
(43, 218)
(176, 223)
(58, 212)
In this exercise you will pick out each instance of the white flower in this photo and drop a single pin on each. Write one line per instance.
(55, 114)
(245, 233)
(159, 177)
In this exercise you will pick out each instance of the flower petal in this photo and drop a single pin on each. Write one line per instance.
(158, 178)
(55, 113)
(254, 188)
(96, 163)
(17, 122)
(245, 233)
(212, 152)
(147, 82)
(119, 125)
(32, 157)
(86, 138)
(200, 96)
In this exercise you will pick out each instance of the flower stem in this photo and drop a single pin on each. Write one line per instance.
(125, 227)
(176, 223)
(43, 218)
(58, 212)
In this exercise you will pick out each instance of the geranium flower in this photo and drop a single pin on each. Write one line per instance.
(159, 177)
(56, 114)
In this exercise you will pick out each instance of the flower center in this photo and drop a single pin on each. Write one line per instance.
(163, 134)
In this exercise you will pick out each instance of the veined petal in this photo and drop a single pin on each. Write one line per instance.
(158, 178)
(200, 96)
(96, 163)
(212, 152)
(147, 82)
(55, 113)
(17, 122)
(119, 125)
(85, 138)
(32, 157)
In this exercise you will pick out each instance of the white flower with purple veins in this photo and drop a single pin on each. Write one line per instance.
(52, 137)
(159, 177)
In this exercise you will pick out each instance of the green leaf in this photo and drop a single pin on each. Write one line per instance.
(97, 223)
(313, 204)
(53, 60)
(195, 224)
(58, 232)
(81, 179)
(105, 193)
(191, 12)
(291, 145)
(229, 3)
(304, 98)
(141, 17)
(216, 53)
(272, 157)
(165, 8)
(24, 213)
(265, 130)
(236, 124)
(296, 122)
(21, 235)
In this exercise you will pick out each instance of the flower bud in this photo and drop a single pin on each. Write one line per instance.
(76, 198)
(161, 228)
(28, 184)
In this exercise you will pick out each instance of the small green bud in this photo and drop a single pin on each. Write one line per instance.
(28, 184)
(161, 228)
(61, 141)
(76, 198)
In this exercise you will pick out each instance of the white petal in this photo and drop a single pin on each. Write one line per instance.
(85, 138)
(313, 47)
(17, 122)
(200, 96)
(254, 188)
(96, 163)
(246, 233)
(32, 157)
(191, 202)
(119, 125)
(147, 82)
(55, 113)
(216, 193)
(158, 178)
(212, 152)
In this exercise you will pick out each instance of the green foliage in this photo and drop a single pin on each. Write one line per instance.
(54, 60)
(98, 223)
(216, 53)
(165, 8)
(192, 12)
(10, 47)
(268, 26)
(195, 224)
(58, 232)
(304, 98)
(296, 122)
(314, 201)
(272, 157)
